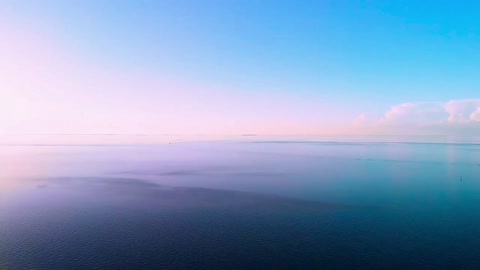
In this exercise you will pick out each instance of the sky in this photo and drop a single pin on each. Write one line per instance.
(268, 67)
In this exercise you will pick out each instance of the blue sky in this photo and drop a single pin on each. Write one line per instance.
(323, 63)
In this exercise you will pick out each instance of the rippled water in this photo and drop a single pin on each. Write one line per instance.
(241, 205)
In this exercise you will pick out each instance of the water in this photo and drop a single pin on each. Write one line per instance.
(240, 205)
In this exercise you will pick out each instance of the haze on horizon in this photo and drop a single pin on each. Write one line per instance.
(239, 67)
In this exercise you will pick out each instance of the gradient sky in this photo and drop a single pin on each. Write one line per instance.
(239, 66)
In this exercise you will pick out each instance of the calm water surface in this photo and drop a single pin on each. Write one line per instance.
(241, 205)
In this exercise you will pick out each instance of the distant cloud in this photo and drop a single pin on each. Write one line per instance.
(417, 114)
(475, 116)
(462, 111)
(426, 118)
(361, 120)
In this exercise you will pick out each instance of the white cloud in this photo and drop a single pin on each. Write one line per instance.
(475, 116)
(428, 118)
(415, 114)
(460, 111)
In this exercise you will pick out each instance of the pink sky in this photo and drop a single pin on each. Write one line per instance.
(48, 86)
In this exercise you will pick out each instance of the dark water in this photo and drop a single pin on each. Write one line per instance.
(264, 205)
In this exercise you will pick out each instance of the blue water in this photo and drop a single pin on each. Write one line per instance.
(241, 205)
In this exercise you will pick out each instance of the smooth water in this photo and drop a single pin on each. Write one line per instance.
(241, 205)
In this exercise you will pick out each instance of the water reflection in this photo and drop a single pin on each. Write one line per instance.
(186, 196)
(245, 205)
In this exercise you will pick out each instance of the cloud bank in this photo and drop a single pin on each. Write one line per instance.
(451, 117)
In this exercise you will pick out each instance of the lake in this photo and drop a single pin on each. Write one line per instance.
(265, 204)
